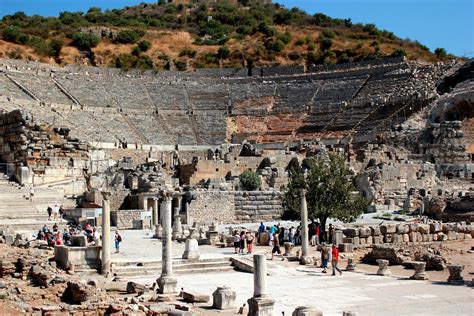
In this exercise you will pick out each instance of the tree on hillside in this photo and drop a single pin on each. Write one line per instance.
(440, 53)
(330, 191)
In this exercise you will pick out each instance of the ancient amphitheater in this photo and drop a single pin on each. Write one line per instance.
(163, 151)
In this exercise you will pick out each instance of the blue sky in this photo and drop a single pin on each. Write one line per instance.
(435, 23)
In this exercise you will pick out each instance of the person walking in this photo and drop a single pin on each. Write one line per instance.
(242, 242)
(118, 240)
(261, 230)
(276, 246)
(250, 239)
(316, 234)
(32, 194)
(236, 242)
(325, 257)
(50, 211)
(335, 260)
(330, 233)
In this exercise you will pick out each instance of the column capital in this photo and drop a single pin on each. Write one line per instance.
(106, 194)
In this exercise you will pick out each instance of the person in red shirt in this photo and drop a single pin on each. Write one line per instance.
(317, 234)
(335, 260)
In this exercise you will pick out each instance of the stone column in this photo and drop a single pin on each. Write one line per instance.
(455, 276)
(383, 267)
(155, 212)
(420, 273)
(177, 227)
(167, 283)
(261, 304)
(305, 258)
(106, 247)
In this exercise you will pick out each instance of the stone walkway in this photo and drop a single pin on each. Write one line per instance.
(361, 292)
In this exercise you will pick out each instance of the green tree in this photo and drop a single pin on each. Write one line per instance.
(127, 37)
(144, 45)
(223, 52)
(85, 41)
(330, 191)
(250, 180)
(326, 44)
(440, 53)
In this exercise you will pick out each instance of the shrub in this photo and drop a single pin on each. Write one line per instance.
(136, 51)
(326, 44)
(187, 52)
(127, 37)
(15, 35)
(266, 30)
(144, 45)
(249, 180)
(180, 65)
(223, 52)
(85, 41)
(275, 45)
(440, 53)
(56, 47)
(329, 33)
(300, 41)
(311, 46)
(285, 37)
(398, 52)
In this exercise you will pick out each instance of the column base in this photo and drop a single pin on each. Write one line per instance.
(261, 306)
(305, 260)
(167, 285)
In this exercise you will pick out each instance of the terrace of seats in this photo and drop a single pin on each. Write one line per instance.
(105, 106)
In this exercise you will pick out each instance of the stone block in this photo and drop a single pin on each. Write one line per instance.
(403, 229)
(345, 247)
(362, 241)
(442, 236)
(406, 238)
(419, 237)
(194, 297)
(223, 298)
(412, 236)
(388, 229)
(369, 240)
(375, 230)
(424, 228)
(378, 239)
(435, 227)
(388, 238)
(356, 241)
(351, 232)
(365, 232)
(78, 241)
(397, 239)
(306, 311)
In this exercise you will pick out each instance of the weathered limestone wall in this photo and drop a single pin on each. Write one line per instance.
(212, 206)
(236, 206)
(129, 219)
(258, 205)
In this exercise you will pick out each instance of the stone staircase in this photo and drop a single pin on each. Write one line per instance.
(139, 268)
(19, 212)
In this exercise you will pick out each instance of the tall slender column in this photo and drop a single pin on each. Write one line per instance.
(106, 247)
(305, 258)
(155, 211)
(261, 304)
(167, 283)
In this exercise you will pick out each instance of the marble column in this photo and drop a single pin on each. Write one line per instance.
(305, 258)
(261, 304)
(155, 212)
(167, 283)
(106, 246)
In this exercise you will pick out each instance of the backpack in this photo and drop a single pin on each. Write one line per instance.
(119, 238)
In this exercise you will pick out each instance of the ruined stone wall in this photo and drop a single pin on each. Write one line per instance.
(127, 219)
(407, 233)
(213, 206)
(253, 206)
(49, 153)
(236, 206)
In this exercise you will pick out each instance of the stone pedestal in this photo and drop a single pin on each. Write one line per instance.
(337, 237)
(288, 249)
(158, 232)
(307, 311)
(223, 298)
(350, 264)
(455, 276)
(305, 258)
(191, 251)
(261, 304)
(167, 283)
(383, 267)
(420, 273)
(177, 227)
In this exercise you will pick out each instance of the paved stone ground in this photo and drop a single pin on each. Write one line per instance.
(361, 292)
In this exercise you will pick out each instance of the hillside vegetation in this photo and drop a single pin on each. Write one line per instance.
(189, 36)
